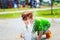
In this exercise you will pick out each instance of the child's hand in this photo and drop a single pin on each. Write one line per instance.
(19, 36)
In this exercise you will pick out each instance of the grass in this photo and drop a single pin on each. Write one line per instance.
(47, 13)
(12, 15)
(50, 16)
(39, 13)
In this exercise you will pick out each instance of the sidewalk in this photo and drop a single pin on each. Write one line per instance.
(9, 28)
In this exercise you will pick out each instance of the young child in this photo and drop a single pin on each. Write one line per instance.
(27, 19)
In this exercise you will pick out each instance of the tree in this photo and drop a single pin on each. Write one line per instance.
(52, 7)
(41, 1)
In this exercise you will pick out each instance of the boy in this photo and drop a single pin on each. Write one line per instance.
(27, 19)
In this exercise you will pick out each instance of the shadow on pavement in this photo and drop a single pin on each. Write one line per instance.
(44, 38)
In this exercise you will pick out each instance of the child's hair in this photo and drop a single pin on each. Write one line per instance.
(27, 14)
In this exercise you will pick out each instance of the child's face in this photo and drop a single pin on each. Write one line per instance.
(27, 18)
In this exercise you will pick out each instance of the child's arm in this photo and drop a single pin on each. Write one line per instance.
(40, 35)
